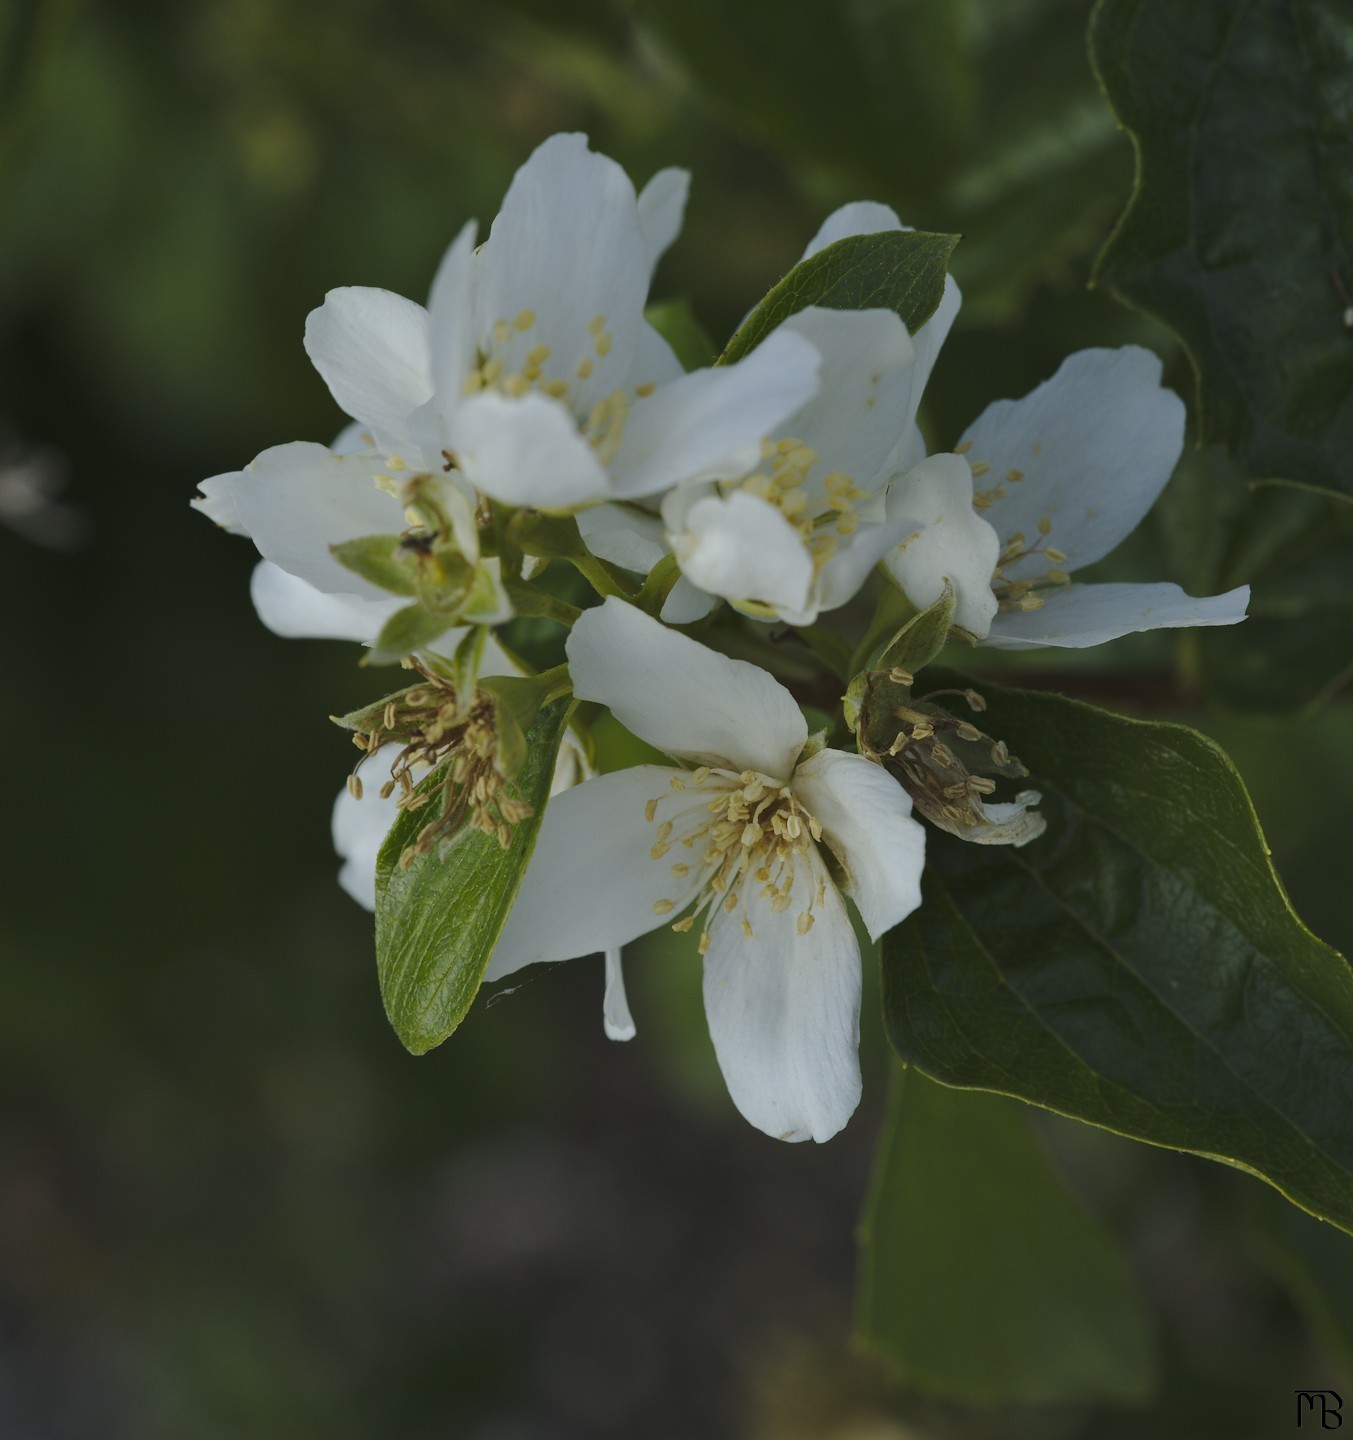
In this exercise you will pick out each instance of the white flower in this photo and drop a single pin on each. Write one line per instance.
(746, 844)
(1060, 478)
(361, 823)
(800, 534)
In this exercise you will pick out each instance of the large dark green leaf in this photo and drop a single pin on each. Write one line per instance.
(982, 1276)
(1138, 966)
(438, 921)
(1295, 549)
(1241, 112)
(900, 270)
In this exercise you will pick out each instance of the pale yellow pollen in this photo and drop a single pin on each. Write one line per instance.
(980, 468)
(1014, 476)
(395, 463)
(964, 448)
(677, 783)
(1045, 525)
(805, 922)
(651, 809)
(596, 325)
(645, 390)
(557, 388)
(681, 871)
(502, 331)
(1057, 557)
(516, 385)
(1059, 577)
(663, 907)
(602, 344)
(1031, 602)
(355, 786)
(525, 319)
(746, 929)
(584, 367)
(658, 850)
(684, 924)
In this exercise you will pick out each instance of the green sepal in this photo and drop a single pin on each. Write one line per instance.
(367, 718)
(379, 559)
(518, 700)
(438, 920)
(899, 270)
(404, 632)
(900, 637)
(1139, 966)
(982, 1276)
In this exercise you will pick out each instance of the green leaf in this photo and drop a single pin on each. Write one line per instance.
(982, 1276)
(1138, 966)
(1241, 115)
(901, 270)
(404, 632)
(379, 559)
(438, 921)
(675, 321)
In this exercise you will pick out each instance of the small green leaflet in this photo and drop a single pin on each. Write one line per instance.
(1138, 966)
(901, 270)
(982, 1277)
(1239, 233)
(438, 921)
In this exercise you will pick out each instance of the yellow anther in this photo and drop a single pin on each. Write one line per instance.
(602, 344)
(1045, 525)
(651, 809)
(980, 468)
(1031, 602)
(663, 907)
(584, 367)
(964, 448)
(643, 391)
(1057, 557)
(596, 325)
(746, 930)
(805, 922)
(684, 924)
(502, 331)
(1014, 476)
(525, 319)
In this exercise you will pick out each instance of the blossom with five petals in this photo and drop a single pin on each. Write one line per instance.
(1041, 486)
(743, 848)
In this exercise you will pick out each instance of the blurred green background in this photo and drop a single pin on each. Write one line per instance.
(230, 1205)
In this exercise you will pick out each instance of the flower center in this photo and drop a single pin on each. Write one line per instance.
(782, 480)
(1017, 594)
(753, 831)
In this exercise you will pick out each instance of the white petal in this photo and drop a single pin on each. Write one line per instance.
(741, 547)
(451, 315)
(293, 608)
(1077, 616)
(951, 544)
(371, 347)
(784, 1014)
(296, 500)
(862, 408)
(686, 603)
(1095, 446)
(866, 820)
(624, 535)
(216, 500)
(662, 204)
(712, 421)
(865, 217)
(567, 247)
(591, 884)
(354, 436)
(655, 362)
(682, 697)
(844, 572)
(860, 217)
(615, 1005)
(360, 828)
(527, 451)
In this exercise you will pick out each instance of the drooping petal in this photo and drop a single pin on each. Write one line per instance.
(686, 603)
(711, 422)
(216, 500)
(741, 547)
(360, 828)
(296, 500)
(856, 419)
(371, 347)
(1074, 617)
(784, 1013)
(682, 697)
(867, 822)
(451, 315)
(1076, 463)
(292, 607)
(527, 451)
(615, 1005)
(592, 884)
(566, 267)
(662, 205)
(951, 543)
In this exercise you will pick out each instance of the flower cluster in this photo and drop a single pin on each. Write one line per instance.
(531, 417)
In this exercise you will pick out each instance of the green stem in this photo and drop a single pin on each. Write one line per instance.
(656, 588)
(599, 577)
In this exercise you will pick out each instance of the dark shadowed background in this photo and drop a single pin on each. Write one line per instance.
(230, 1205)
